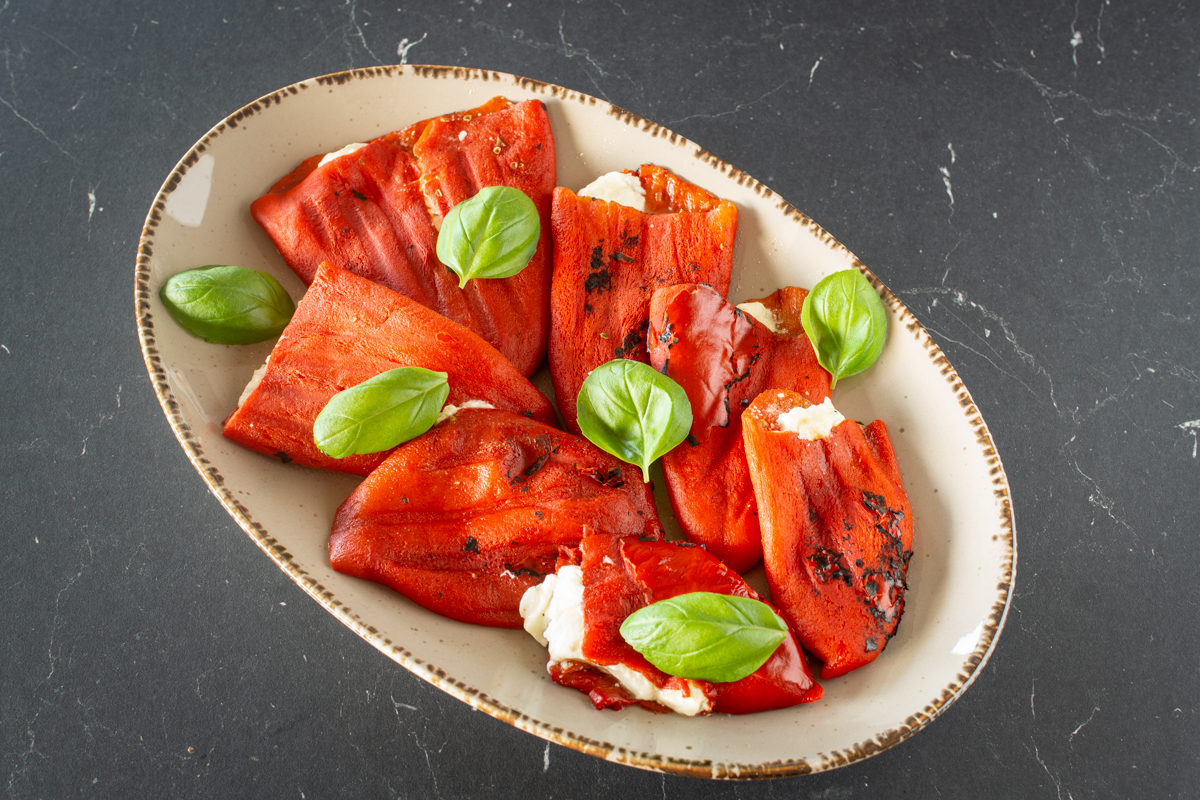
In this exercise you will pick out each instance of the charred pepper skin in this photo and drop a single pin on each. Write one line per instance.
(347, 329)
(723, 358)
(837, 531)
(622, 574)
(466, 517)
(376, 212)
(608, 260)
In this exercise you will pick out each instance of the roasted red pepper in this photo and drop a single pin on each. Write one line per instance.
(347, 329)
(622, 574)
(466, 517)
(837, 531)
(609, 258)
(723, 358)
(376, 211)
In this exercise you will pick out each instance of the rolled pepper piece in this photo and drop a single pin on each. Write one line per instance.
(723, 358)
(609, 258)
(837, 531)
(376, 212)
(346, 330)
(622, 574)
(466, 517)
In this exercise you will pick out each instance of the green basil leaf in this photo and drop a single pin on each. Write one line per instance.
(228, 305)
(382, 412)
(633, 411)
(845, 321)
(492, 235)
(705, 636)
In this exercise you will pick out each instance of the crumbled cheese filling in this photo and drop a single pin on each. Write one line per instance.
(762, 314)
(255, 380)
(450, 410)
(617, 187)
(553, 614)
(345, 151)
(811, 422)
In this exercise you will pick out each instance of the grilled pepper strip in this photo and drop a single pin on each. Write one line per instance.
(622, 574)
(609, 258)
(723, 358)
(347, 329)
(376, 211)
(463, 519)
(837, 531)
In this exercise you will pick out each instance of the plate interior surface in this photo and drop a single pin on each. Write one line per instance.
(960, 579)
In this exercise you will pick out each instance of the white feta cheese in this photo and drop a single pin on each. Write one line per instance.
(535, 604)
(255, 380)
(562, 625)
(450, 410)
(617, 187)
(762, 314)
(345, 151)
(553, 614)
(811, 422)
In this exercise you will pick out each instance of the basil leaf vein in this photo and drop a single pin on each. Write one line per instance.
(705, 636)
(846, 323)
(492, 235)
(381, 412)
(228, 305)
(632, 411)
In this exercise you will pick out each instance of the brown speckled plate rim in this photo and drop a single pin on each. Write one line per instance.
(437, 675)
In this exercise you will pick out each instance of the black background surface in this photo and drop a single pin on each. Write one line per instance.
(1023, 175)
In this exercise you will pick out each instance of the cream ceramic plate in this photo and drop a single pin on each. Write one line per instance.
(960, 579)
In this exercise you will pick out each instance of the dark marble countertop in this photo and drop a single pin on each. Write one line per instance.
(1022, 175)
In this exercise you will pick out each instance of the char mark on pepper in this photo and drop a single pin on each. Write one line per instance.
(532, 469)
(884, 596)
(598, 282)
(611, 479)
(628, 242)
(668, 336)
(632, 342)
(877, 503)
(547, 444)
(829, 566)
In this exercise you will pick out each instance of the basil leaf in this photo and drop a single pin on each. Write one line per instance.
(228, 305)
(633, 411)
(492, 235)
(380, 413)
(705, 636)
(845, 321)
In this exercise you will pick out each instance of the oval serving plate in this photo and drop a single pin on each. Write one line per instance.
(960, 579)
